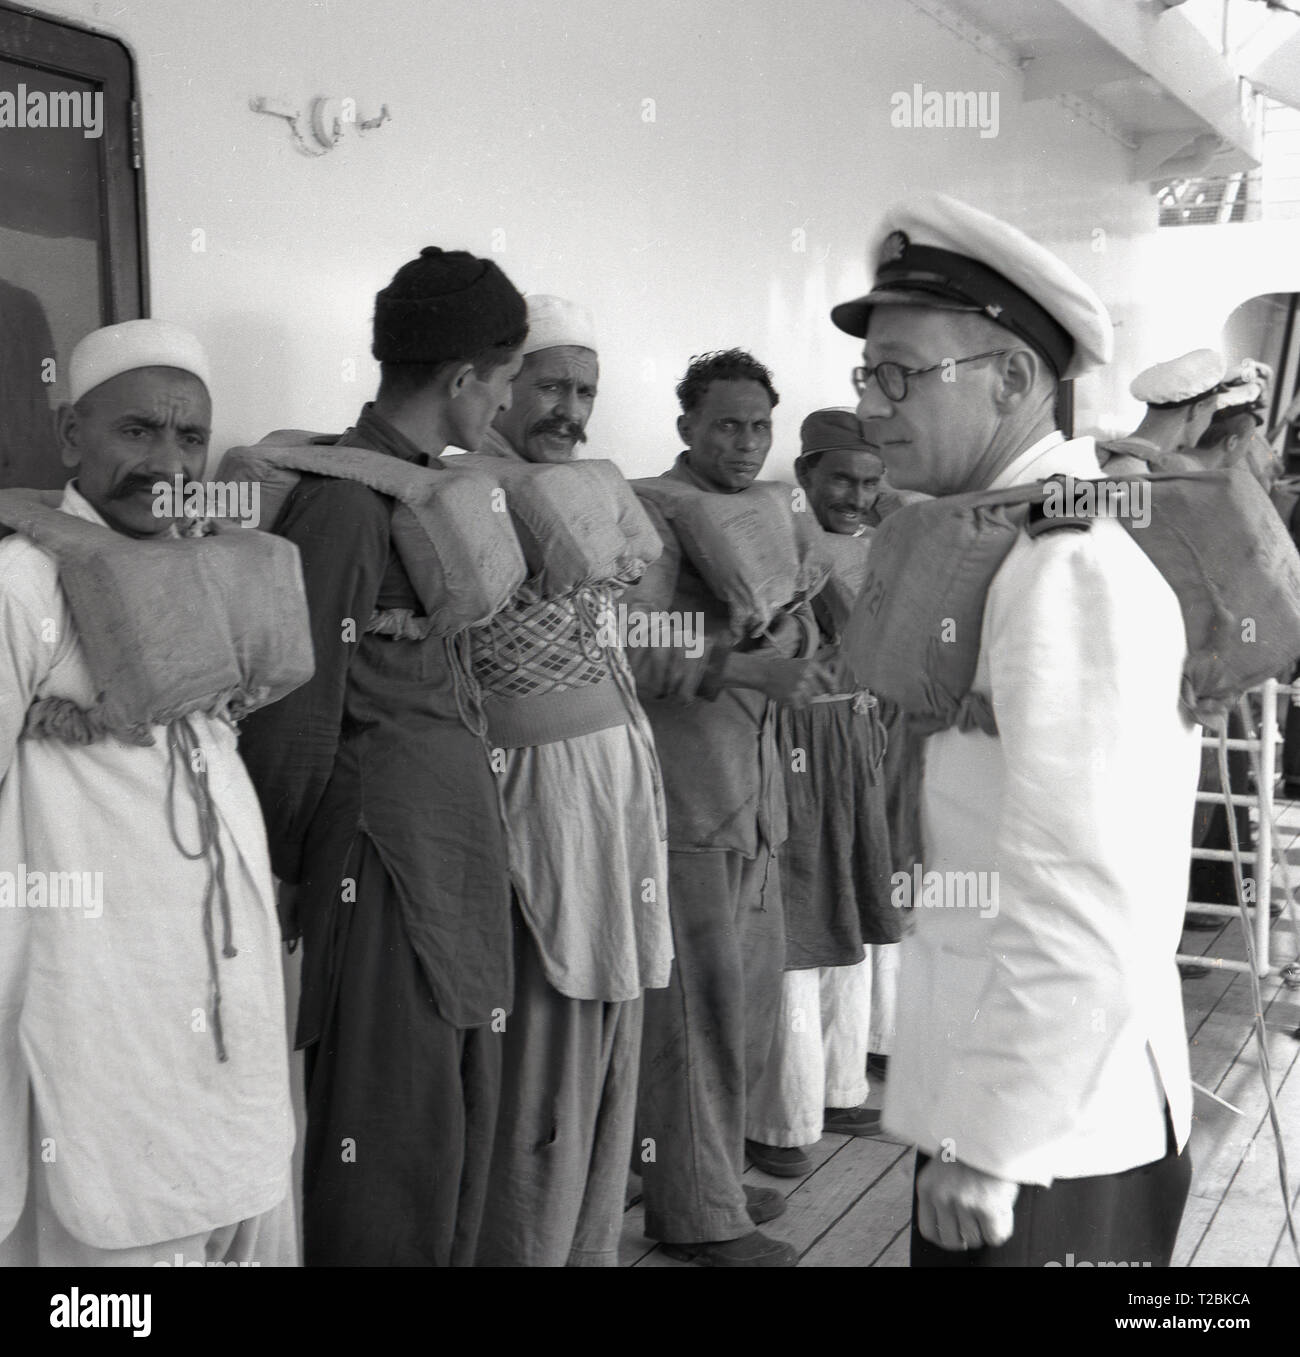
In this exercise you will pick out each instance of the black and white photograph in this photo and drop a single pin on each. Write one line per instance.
(649, 634)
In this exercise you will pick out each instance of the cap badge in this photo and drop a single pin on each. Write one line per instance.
(993, 310)
(893, 247)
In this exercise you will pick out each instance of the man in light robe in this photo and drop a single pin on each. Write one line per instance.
(1040, 1064)
(584, 820)
(144, 1086)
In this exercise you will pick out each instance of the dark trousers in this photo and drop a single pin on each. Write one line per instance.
(568, 1097)
(705, 1041)
(401, 1106)
(1115, 1218)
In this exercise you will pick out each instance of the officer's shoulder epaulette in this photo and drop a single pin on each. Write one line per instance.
(1039, 521)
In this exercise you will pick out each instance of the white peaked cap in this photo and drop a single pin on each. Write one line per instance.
(1179, 380)
(932, 250)
(107, 353)
(553, 321)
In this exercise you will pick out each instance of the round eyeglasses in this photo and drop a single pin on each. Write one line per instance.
(892, 377)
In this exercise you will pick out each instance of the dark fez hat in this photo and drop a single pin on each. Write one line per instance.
(444, 305)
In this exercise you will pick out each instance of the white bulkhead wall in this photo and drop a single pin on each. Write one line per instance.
(702, 175)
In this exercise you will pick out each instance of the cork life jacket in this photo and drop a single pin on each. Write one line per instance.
(169, 626)
(847, 558)
(914, 635)
(448, 527)
(752, 548)
(578, 523)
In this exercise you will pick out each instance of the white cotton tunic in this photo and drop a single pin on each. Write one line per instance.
(105, 1023)
(1043, 1040)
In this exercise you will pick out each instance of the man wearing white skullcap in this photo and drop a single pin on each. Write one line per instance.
(152, 371)
(1181, 397)
(1040, 1064)
(146, 1116)
(552, 398)
(580, 796)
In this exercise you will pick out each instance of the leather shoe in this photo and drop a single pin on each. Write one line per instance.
(751, 1250)
(763, 1203)
(1202, 923)
(778, 1160)
(851, 1121)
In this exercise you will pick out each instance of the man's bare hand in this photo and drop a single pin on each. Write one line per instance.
(790, 682)
(958, 1207)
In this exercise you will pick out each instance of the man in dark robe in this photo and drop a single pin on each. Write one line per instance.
(836, 865)
(382, 816)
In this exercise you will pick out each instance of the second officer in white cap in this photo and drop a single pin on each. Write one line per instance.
(1040, 1065)
(1181, 397)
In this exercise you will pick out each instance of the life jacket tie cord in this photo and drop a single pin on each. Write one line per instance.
(184, 751)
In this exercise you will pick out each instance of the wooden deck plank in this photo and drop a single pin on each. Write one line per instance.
(823, 1199)
(1250, 1217)
(863, 1233)
(1197, 1215)
(898, 1253)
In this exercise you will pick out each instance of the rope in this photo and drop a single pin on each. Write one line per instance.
(469, 693)
(182, 746)
(1261, 1042)
(60, 718)
(1279, 855)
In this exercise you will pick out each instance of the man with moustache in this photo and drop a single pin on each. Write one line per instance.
(714, 717)
(144, 1083)
(583, 810)
(383, 816)
(836, 864)
(1040, 1064)
(553, 396)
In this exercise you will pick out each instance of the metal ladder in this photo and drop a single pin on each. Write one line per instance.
(1263, 747)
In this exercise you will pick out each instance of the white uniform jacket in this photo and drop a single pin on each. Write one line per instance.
(106, 1041)
(1040, 1036)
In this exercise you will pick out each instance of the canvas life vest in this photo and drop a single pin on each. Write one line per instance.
(579, 523)
(751, 548)
(1285, 495)
(458, 548)
(170, 626)
(915, 632)
(847, 557)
